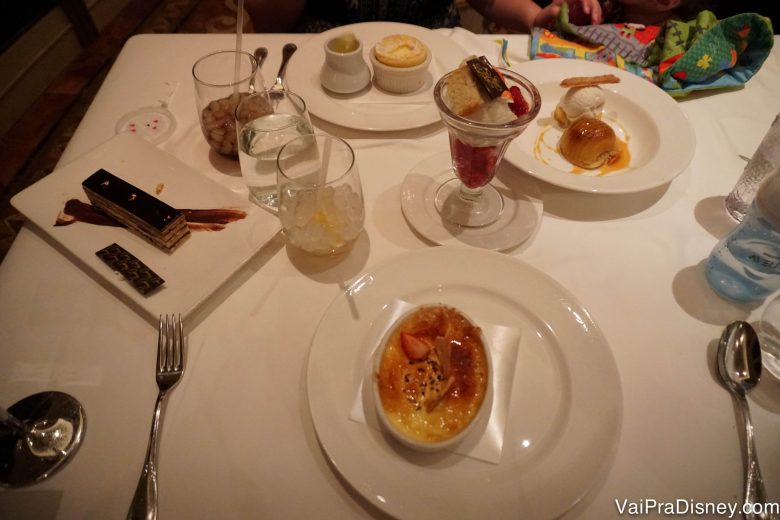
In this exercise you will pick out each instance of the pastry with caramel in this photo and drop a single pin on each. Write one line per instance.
(589, 143)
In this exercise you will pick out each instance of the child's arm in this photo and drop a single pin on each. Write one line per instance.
(585, 12)
(524, 15)
(518, 15)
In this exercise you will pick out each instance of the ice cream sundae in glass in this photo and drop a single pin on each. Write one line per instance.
(484, 108)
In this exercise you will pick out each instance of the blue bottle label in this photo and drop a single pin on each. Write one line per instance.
(745, 266)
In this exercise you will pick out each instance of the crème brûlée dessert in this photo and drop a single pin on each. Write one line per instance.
(432, 376)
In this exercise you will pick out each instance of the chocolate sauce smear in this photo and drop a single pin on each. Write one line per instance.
(197, 219)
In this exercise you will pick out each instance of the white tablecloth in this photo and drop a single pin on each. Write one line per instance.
(238, 441)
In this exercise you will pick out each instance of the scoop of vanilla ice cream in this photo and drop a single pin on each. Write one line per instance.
(494, 112)
(582, 102)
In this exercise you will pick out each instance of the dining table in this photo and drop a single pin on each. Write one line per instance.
(614, 406)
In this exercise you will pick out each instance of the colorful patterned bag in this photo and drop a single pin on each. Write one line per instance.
(680, 57)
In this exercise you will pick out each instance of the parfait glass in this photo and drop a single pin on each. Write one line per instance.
(477, 147)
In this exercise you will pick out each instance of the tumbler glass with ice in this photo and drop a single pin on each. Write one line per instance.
(321, 205)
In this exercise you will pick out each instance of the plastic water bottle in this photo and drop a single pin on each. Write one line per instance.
(745, 266)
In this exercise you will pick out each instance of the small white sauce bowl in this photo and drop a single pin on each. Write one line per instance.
(344, 72)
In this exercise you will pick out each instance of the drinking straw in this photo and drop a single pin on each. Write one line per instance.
(239, 31)
(323, 173)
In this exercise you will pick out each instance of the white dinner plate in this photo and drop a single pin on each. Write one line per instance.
(565, 410)
(660, 138)
(372, 108)
(196, 269)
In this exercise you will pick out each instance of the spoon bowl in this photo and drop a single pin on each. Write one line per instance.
(287, 51)
(739, 357)
(261, 53)
(739, 368)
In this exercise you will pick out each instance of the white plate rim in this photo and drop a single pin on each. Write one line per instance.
(304, 67)
(391, 483)
(677, 138)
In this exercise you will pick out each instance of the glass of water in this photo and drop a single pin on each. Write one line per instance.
(769, 336)
(265, 121)
(321, 206)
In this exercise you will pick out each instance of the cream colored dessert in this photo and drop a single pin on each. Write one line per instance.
(400, 63)
(578, 103)
(585, 98)
(433, 374)
(400, 50)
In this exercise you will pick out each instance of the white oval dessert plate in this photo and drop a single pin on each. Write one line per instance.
(562, 424)
(372, 108)
(660, 138)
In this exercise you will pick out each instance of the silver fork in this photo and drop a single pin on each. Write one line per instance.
(170, 366)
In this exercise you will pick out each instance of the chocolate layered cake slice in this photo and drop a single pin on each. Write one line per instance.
(143, 214)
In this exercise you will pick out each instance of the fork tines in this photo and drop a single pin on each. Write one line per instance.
(169, 344)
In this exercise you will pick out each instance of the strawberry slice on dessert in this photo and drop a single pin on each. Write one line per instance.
(415, 347)
(518, 105)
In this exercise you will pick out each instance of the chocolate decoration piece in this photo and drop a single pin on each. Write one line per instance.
(78, 211)
(145, 215)
(221, 216)
(143, 279)
(487, 76)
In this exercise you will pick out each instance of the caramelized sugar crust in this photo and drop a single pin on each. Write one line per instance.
(434, 398)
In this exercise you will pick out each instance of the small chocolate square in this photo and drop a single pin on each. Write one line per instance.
(487, 76)
(136, 272)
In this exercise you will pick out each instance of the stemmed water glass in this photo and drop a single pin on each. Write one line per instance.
(477, 148)
(37, 436)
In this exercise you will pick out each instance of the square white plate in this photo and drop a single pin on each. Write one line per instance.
(194, 271)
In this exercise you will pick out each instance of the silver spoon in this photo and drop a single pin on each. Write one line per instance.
(739, 367)
(287, 51)
(261, 53)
